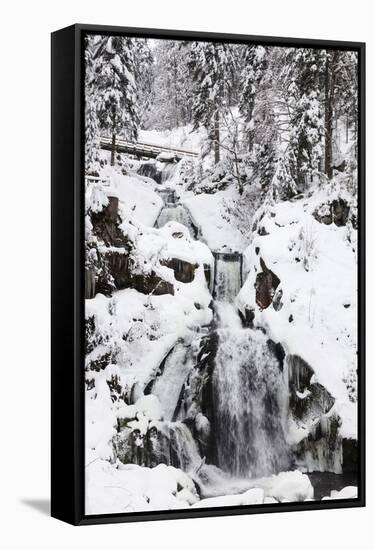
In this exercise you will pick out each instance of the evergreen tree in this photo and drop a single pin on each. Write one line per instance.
(304, 71)
(144, 78)
(172, 86)
(254, 66)
(92, 132)
(341, 100)
(116, 89)
(283, 186)
(347, 99)
(212, 65)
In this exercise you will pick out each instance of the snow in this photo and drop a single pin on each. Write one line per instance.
(95, 197)
(166, 157)
(317, 268)
(131, 488)
(182, 137)
(292, 486)
(100, 420)
(252, 496)
(137, 194)
(118, 488)
(346, 492)
(207, 211)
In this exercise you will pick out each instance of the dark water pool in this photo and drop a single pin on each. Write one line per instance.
(325, 482)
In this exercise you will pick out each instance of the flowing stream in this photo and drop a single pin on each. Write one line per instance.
(249, 390)
(227, 276)
(248, 384)
(169, 386)
(172, 211)
(251, 398)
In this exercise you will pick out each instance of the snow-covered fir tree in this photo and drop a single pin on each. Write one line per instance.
(303, 72)
(254, 64)
(212, 65)
(283, 186)
(115, 86)
(92, 129)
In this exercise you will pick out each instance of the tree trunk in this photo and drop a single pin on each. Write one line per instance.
(329, 110)
(250, 132)
(176, 98)
(113, 150)
(216, 137)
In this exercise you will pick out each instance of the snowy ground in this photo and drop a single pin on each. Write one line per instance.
(137, 195)
(131, 488)
(207, 211)
(182, 137)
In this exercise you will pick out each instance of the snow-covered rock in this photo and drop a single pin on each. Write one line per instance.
(346, 492)
(252, 496)
(131, 488)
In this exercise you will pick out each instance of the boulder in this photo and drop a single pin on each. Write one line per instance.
(265, 286)
(336, 212)
(299, 373)
(150, 170)
(322, 449)
(150, 283)
(340, 212)
(105, 225)
(184, 272)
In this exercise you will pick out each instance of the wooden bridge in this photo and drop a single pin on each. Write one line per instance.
(146, 150)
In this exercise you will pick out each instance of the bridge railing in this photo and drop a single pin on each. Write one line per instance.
(145, 149)
(93, 179)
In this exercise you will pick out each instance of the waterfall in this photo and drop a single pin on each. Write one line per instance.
(167, 195)
(168, 386)
(227, 275)
(183, 449)
(168, 171)
(250, 393)
(176, 213)
(227, 316)
(251, 397)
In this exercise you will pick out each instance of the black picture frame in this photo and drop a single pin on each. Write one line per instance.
(67, 421)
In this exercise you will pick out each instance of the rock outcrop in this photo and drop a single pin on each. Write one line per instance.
(184, 272)
(336, 212)
(266, 284)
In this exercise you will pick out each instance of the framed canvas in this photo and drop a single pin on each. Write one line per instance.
(208, 213)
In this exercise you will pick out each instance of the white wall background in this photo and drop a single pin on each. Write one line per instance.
(25, 272)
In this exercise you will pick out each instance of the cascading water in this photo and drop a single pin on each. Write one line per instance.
(183, 449)
(249, 390)
(167, 195)
(168, 171)
(250, 397)
(168, 386)
(227, 276)
(176, 213)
